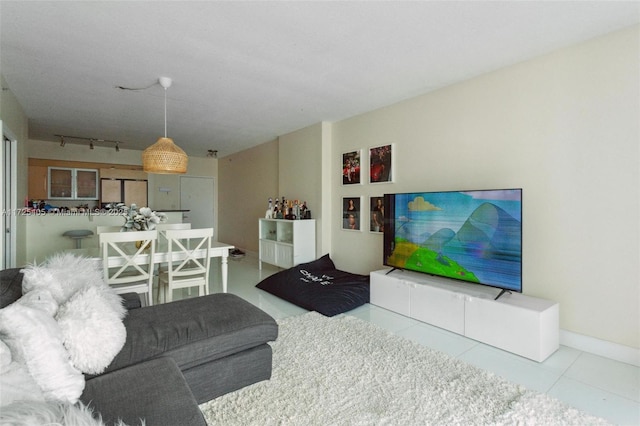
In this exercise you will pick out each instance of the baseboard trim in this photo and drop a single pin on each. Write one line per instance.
(600, 347)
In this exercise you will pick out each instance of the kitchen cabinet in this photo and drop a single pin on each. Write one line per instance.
(38, 178)
(127, 191)
(72, 184)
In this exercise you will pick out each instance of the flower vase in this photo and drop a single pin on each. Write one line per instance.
(147, 246)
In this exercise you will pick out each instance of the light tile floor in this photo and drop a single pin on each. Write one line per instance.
(591, 383)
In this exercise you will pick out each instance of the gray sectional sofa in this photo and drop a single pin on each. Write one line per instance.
(176, 356)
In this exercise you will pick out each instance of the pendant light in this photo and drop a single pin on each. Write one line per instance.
(164, 157)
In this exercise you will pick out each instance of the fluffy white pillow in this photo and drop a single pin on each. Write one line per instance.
(51, 413)
(40, 299)
(90, 312)
(62, 274)
(35, 340)
(16, 384)
(92, 328)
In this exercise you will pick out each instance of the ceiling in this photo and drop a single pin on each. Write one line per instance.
(245, 72)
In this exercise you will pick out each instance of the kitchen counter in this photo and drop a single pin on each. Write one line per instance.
(44, 230)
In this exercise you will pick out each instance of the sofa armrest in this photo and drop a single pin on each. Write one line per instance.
(10, 286)
(155, 391)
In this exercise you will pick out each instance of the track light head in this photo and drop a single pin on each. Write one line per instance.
(62, 142)
(117, 147)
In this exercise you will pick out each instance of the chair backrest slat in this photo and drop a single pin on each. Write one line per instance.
(124, 264)
(102, 229)
(189, 252)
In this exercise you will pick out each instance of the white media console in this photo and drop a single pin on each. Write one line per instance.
(524, 325)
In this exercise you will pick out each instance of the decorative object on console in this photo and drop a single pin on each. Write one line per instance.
(269, 212)
(319, 286)
(287, 209)
(164, 156)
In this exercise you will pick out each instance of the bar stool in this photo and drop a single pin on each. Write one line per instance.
(78, 235)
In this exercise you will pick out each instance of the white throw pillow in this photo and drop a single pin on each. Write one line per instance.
(35, 340)
(63, 274)
(23, 413)
(16, 384)
(92, 328)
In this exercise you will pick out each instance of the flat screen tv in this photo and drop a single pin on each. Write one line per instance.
(471, 236)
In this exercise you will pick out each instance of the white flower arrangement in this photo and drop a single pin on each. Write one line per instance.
(143, 219)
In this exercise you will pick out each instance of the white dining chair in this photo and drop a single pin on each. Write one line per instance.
(128, 268)
(103, 229)
(188, 261)
(163, 227)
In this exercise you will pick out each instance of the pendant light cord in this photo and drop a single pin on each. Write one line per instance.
(165, 112)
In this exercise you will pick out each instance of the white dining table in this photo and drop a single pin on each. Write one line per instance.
(161, 255)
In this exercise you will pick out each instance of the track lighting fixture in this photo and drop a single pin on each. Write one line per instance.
(92, 141)
(212, 153)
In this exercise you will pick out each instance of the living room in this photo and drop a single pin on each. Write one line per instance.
(562, 126)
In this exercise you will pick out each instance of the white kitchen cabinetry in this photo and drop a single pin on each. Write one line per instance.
(524, 325)
(286, 243)
(72, 184)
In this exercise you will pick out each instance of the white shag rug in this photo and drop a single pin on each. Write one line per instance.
(344, 371)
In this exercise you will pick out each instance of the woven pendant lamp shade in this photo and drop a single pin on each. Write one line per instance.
(164, 157)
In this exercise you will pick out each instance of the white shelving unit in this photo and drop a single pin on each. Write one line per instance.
(524, 325)
(286, 243)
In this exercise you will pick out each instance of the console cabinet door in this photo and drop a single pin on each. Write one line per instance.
(442, 308)
(268, 251)
(284, 255)
(390, 293)
(516, 323)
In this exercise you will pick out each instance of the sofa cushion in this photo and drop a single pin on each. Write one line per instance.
(155, 391)
(194, 331)
(10, 287)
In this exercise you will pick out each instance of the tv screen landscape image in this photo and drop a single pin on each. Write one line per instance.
(472, 236)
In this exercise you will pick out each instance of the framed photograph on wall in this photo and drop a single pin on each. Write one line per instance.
(351, 164)
(351, 213)
(376, 214)
(381, 164)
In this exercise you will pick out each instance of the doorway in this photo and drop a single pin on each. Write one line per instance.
(197, 195)
(8, 201)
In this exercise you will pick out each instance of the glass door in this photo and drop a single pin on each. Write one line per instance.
(86, 184)
(60, 182)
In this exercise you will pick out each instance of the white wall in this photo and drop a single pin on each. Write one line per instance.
(300, 172)
(565, 128)
(247, 179)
